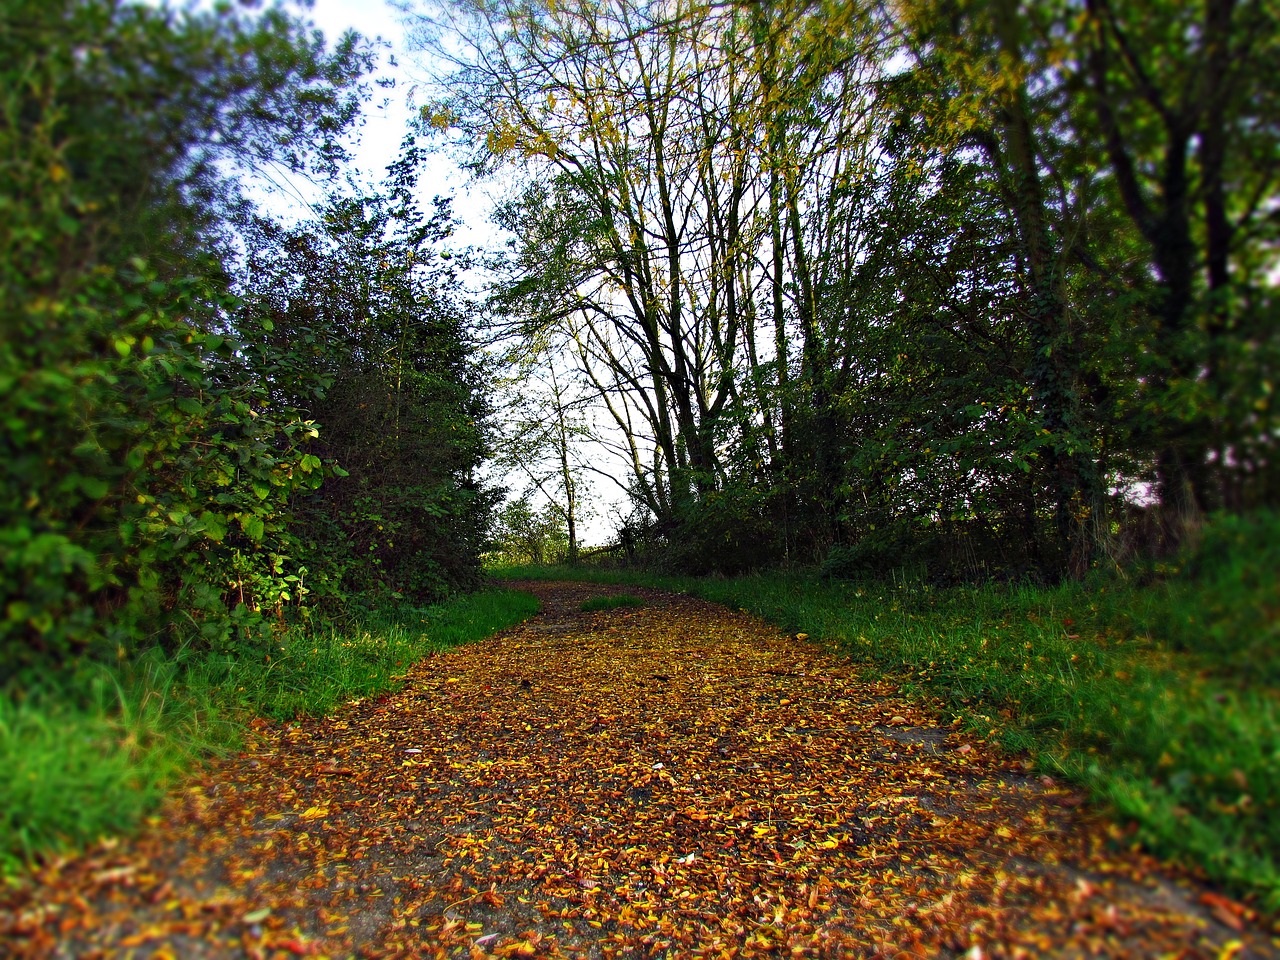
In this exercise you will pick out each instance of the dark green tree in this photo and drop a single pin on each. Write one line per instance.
(370, 297)
(1181, 102)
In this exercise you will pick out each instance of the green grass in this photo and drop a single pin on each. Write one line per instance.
(92, 758)
(309, 674)
(92, 755)
(611, 602)
(1156, 690)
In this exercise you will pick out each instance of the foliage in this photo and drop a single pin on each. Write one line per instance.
(524, 535)
(729, 530)
(168, 514)
(147, 477)
(370, 295)
(94, 754)
(872, 555)
(974, 272)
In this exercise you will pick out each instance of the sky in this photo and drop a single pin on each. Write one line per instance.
(387, 116)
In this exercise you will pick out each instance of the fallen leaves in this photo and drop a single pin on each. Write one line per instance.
(1227, 912)
(673, 780)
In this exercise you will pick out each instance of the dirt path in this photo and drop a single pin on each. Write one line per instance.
(675, 780)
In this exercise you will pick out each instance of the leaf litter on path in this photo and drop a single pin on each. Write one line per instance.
(675, 780)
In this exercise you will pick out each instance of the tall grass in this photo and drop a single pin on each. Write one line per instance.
(1156, 689)
(93, 753)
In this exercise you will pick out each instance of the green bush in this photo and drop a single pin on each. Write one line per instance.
(376, 310)
(891, 548)
(146, 476)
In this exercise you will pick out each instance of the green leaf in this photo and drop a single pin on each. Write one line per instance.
(253, 527)
(215, 526)
(95, 488)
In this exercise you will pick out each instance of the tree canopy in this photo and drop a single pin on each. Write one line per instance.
(990, 281)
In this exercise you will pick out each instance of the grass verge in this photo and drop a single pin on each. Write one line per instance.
(1157, 690)
(309, 674)
(93, 755)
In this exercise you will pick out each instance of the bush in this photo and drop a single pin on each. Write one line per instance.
(874, 554)
(146, 477)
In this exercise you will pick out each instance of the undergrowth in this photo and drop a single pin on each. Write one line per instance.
(93, 752)
(1155, 688)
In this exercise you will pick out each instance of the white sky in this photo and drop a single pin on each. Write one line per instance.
(386, 119)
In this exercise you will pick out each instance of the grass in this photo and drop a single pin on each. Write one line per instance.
(93, 755)
(93, 761)
(309, 674)
(1156, 690)
(610, 602)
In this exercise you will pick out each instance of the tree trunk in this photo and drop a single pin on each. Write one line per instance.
(1053, 371)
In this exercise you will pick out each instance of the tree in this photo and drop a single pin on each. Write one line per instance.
(1182, 102)
(146, 481)
(525, 535)
(371, 296)
(621, 227)
(994, 65)
(543, 428)
(828, 265)
(646, 209)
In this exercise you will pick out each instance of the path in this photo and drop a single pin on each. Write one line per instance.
(675, 780)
